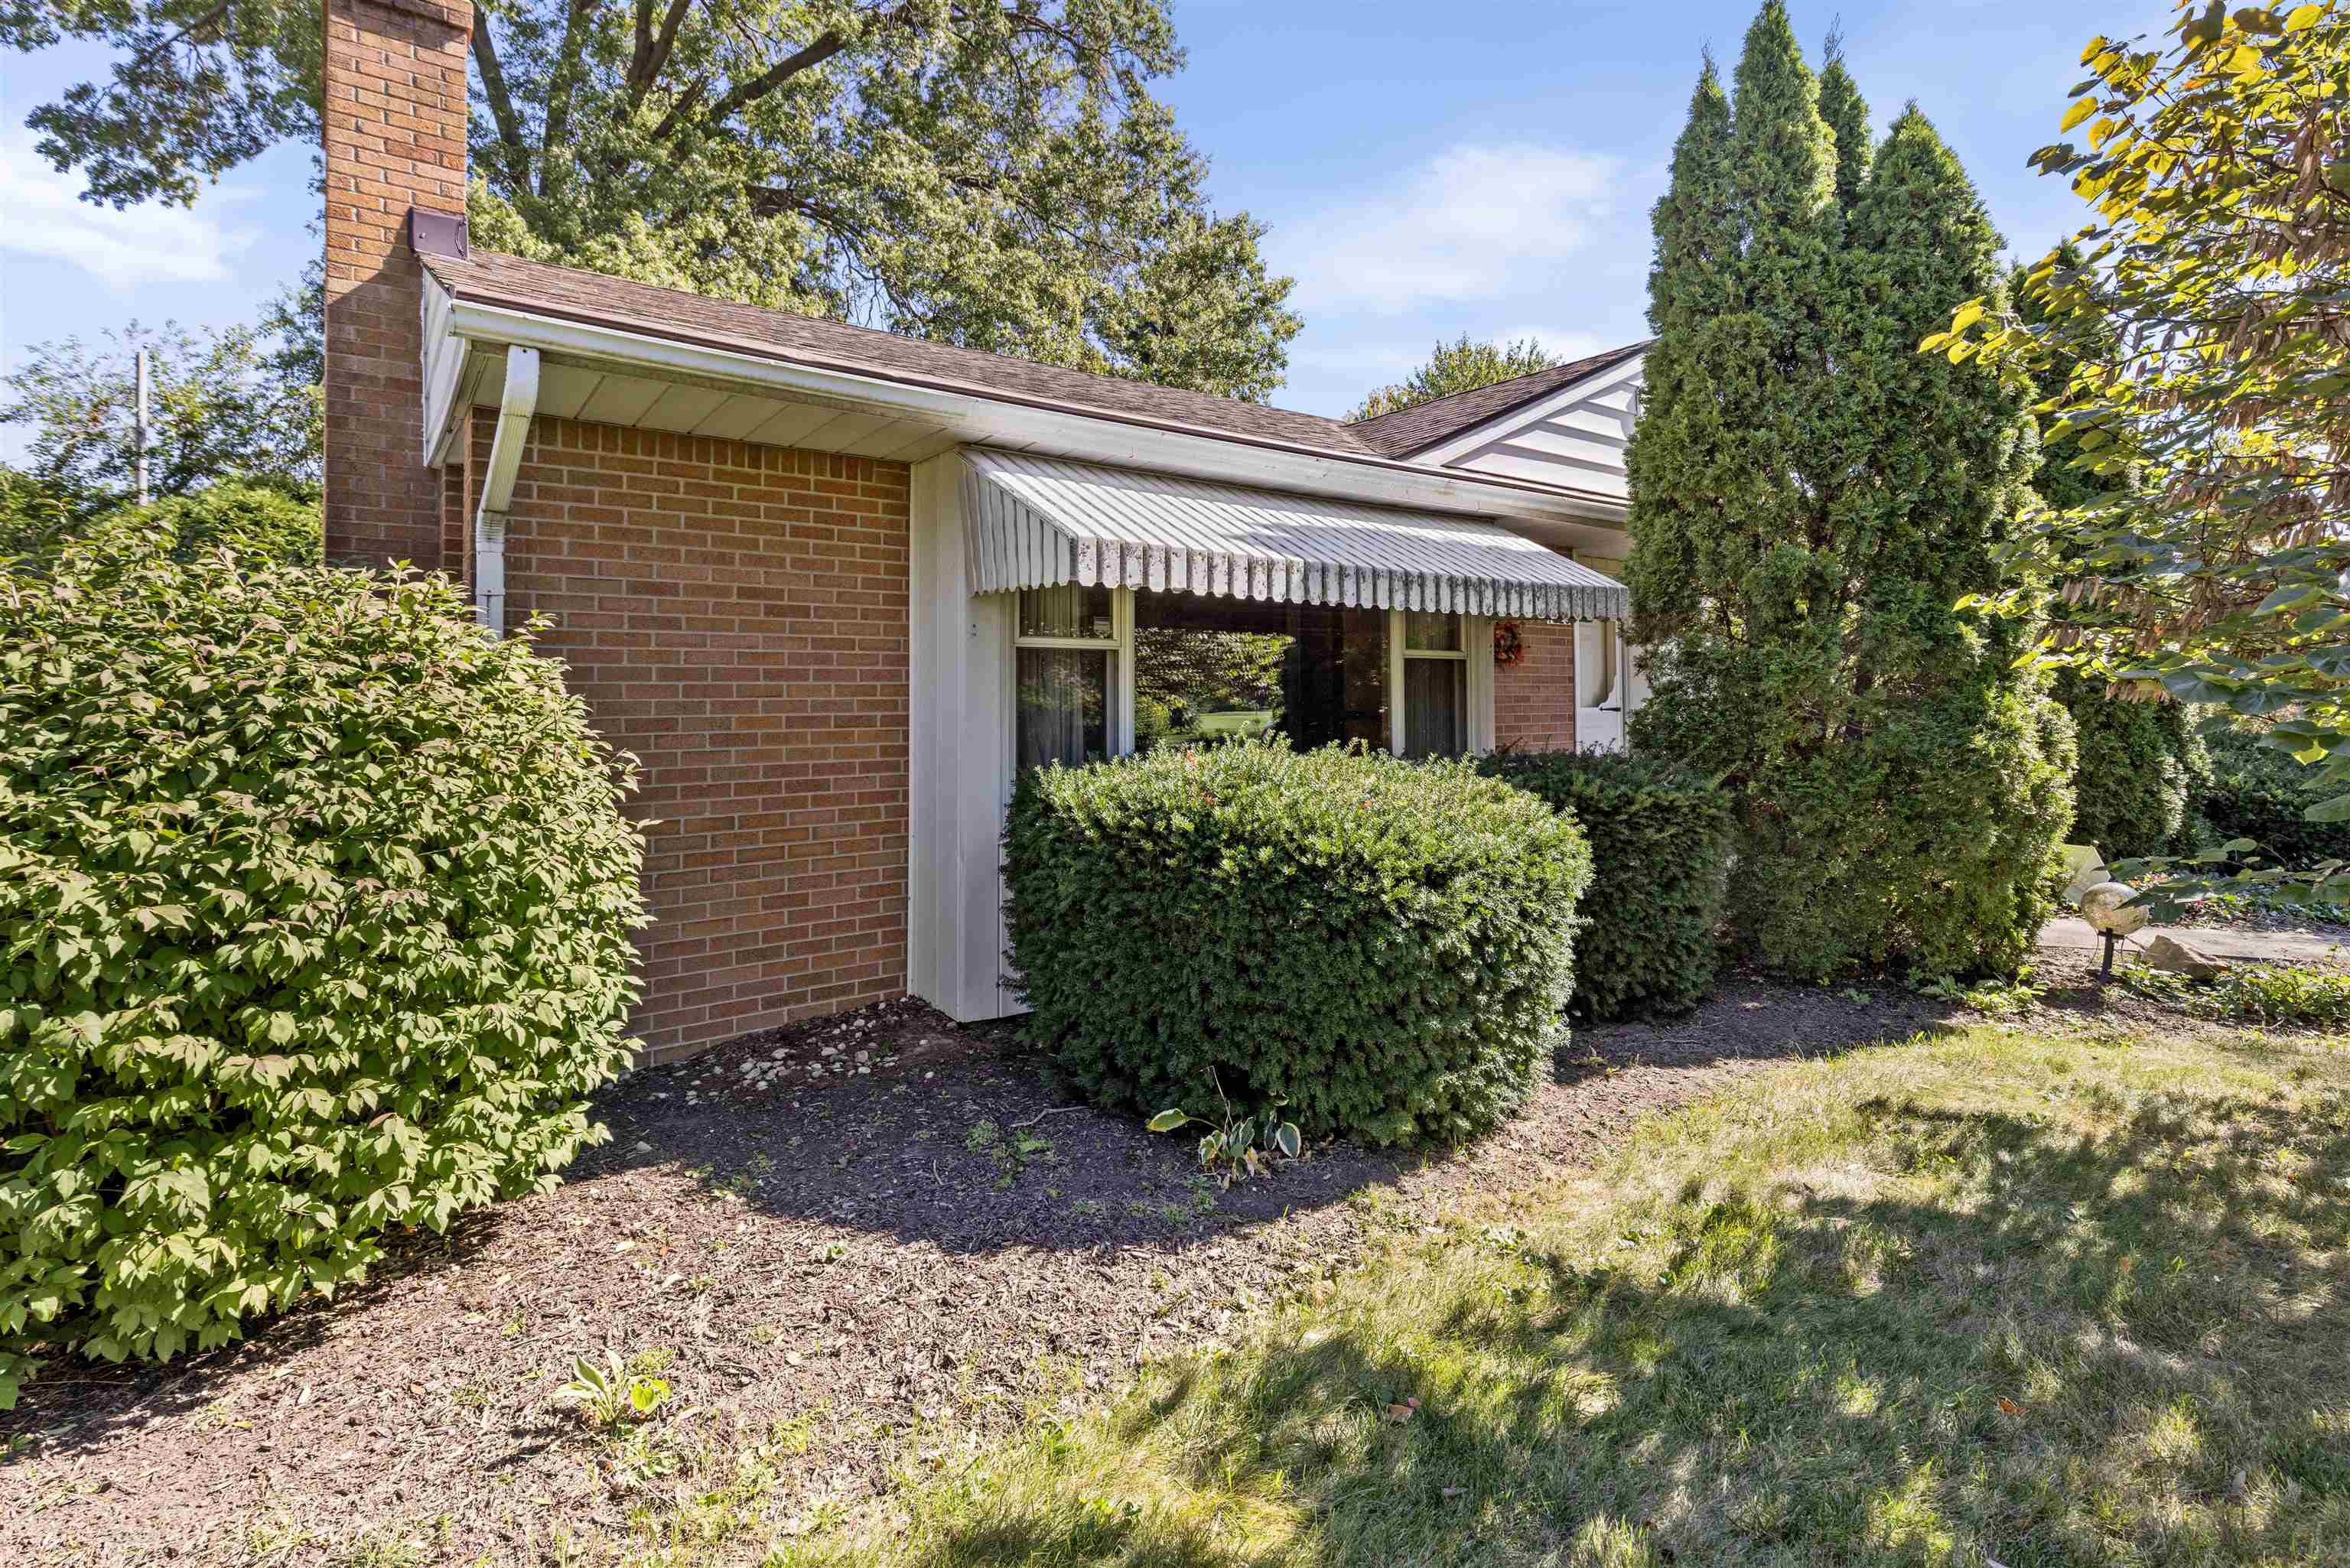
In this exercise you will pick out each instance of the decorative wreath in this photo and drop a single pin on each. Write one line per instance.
(1509, 647)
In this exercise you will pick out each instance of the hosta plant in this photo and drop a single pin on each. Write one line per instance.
(315, 909)
(1236, 1148)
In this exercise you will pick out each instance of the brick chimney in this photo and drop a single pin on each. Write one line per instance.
(394, 116)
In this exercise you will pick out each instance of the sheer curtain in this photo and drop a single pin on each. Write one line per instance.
(1435, 707)
(1064, 707)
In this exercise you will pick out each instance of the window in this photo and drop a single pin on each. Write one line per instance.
(1209, 670)
(1100, 671)
(1435, 682)
(1065, 676)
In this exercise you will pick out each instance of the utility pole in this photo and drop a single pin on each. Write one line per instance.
(140, 456)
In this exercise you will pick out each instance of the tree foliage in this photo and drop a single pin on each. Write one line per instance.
(251, 526)
(999, 176)
(316, 908)
(1810, 497)
(1461, 365)
(236, 403)
(2192, 338)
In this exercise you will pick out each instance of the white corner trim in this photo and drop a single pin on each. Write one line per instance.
(514, 410)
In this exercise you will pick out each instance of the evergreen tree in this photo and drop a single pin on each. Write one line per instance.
(1811, 498)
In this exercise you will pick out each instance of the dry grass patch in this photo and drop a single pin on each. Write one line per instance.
(2006, 1296)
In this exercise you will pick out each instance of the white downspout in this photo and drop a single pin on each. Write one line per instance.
(516, 407)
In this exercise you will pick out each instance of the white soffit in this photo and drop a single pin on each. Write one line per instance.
(1033, 522)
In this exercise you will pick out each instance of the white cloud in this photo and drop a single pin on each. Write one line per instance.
(47, 221)
(1473, 222)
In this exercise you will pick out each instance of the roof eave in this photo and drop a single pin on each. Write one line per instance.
(478, 317)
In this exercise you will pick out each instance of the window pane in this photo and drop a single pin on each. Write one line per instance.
(1063, 706)
(1435, 707)
(1209, 670)
(1431, 632)
(1068, 610)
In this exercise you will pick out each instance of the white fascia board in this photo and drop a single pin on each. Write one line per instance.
(1104, 439)
(445, 355)
(1476, 436)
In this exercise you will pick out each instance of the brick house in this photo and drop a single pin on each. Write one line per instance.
(835, 586)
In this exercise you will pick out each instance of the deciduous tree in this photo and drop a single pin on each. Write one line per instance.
(1461, 365)
(997, 175)
(2196, 338)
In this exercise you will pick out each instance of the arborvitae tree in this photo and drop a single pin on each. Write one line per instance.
(1902, 785)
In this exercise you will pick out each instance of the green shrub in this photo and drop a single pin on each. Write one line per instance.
(1926, 838)
(1660, 839)
(1388, 944)
(2141, 766)
(260, 526)
(2285, 994)
(316, 910)
(2260, 792)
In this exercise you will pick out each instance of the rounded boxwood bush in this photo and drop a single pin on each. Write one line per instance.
(316, 908)
(1660, 839)
(1386, 944)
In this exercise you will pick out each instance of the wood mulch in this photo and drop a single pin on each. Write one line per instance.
(851, 1248)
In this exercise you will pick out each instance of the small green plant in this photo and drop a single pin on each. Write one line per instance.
(611, 1394)
(1997, 997)
(1012, 1152)
(2284, 993)
(1236, 1148)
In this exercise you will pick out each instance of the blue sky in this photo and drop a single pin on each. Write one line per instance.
(1426, 169)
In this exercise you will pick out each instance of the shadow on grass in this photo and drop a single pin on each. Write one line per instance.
(2049, 1347)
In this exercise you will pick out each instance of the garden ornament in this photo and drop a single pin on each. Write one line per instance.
(2107, 907)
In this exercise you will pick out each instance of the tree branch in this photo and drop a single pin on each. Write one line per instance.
(562, 85)
(516, 151)
(743, 94)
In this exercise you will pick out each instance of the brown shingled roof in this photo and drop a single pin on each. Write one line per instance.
(487, 277)
(1423, 425)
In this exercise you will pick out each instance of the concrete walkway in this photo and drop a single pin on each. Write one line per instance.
(2220, 942)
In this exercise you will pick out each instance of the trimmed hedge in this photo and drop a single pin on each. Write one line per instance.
(2140, 765)
(317, 909)
(1660, 842)
(1388, 944)
(2258, 792)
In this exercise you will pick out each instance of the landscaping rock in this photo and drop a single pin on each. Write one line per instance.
(2177, 958)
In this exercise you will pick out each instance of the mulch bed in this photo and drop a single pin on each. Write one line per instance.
(853, 1249)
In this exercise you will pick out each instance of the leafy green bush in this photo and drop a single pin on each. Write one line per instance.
(2259, 792)
(2141, 764)
(1660, 839)
(259, 525)
(2285, 994)
(1386, 944)
(317, 909)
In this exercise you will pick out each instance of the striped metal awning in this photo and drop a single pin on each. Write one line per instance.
(1033, 522)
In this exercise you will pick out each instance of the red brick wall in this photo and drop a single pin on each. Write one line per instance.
(737, 617)
(1534, 700)
(394, 125)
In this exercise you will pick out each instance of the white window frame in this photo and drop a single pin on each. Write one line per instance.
(1476, 632)
(1120, 649)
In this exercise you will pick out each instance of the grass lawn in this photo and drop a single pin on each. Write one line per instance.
(1997, 1297)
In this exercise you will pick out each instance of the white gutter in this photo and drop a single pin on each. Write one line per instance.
(515, 408)
(981, 417)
